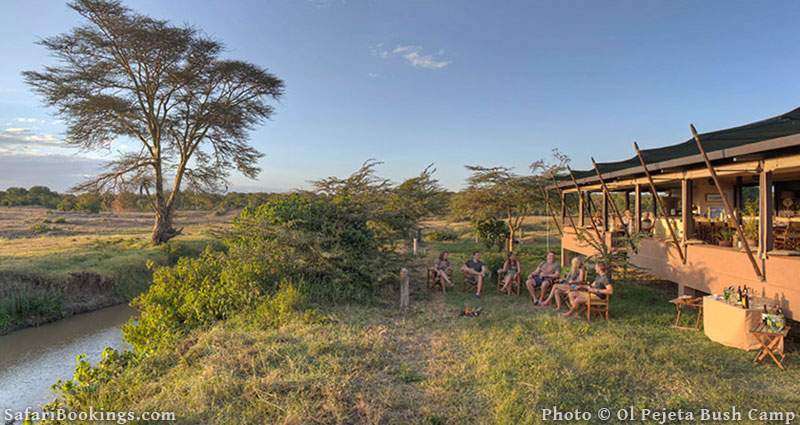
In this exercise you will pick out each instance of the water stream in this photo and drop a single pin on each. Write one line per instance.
(33, 359)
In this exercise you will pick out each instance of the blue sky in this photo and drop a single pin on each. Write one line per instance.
(455, 83)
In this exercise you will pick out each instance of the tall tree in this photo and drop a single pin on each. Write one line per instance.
(498, 192)
(123, 75)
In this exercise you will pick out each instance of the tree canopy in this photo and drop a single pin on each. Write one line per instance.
(125, 76)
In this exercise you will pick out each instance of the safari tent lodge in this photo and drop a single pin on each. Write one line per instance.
(720, 209)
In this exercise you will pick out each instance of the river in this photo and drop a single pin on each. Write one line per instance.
(33, 359)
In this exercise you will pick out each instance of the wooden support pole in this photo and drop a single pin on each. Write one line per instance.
(581, 209)
(727, 205)
(660, 203)
(564, 205)
(613, 205)
(600, 238)
(606, 224)
(563, 208)
(766, 234)
(686, 209)
(637, 208)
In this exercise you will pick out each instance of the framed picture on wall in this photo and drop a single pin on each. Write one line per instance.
(713, 197)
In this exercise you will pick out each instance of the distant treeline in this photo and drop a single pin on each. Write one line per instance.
(42, 196)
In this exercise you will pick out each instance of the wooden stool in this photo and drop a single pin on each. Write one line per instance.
(771, 344)
(688, 302)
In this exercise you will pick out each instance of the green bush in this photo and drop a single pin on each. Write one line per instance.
(40, 228)
(493, 233)
(193, 293)
(441, 235)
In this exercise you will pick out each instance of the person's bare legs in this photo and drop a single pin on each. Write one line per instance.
(576, 300)
(545, 286)
(445, 278)
(531, 285)
(480, 284)
(549, 298)
(507, 283)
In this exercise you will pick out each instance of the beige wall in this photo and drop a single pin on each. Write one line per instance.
(701, 187)
(710, 269)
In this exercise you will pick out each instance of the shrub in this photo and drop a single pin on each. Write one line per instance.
(493, 233)
(441, 235)
(43, 227)
(193, 293)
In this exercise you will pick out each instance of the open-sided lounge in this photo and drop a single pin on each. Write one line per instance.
(726, 209)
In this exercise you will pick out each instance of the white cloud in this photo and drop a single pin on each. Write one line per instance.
(373, 75)
(414, 56)
(23, 140)
(27, 120)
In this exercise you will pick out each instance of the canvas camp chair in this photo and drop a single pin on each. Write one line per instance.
(516, 282)
(435, 280)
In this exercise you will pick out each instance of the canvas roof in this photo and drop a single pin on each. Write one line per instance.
(771, 128)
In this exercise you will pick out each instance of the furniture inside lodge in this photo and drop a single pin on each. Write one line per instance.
(771, 343)
(689, 302)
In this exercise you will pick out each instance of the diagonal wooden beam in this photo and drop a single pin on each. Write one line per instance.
(552, 211)
(591, 206)
(613, 205)
(660, 203)
(726, 203)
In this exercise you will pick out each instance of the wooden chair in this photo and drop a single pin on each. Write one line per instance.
(470, 282)
(434, 279)
(597, 305)
(788, 237)
(516, 282)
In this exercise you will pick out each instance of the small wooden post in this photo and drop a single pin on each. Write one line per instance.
(414, 246)
(658, 202)
(405, 288)
(727, 205)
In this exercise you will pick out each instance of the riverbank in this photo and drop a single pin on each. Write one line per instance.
(32, 360)
(373, 364)
(83, 263)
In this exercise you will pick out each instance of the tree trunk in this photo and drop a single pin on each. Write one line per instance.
(511, 234)
(162, 229)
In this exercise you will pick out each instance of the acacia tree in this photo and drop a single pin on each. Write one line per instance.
(499, 192)
(394, 210)
(125, 76)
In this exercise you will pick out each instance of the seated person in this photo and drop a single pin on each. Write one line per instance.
(544, 275)
(600, 289)
(474, 271)
(510, 267)
(442, 269)
(576, 276)
(647, 223)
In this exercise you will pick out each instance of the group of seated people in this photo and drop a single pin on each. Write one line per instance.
(546, 279)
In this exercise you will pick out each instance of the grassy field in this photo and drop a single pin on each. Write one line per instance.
(375, 365)
(54, 264)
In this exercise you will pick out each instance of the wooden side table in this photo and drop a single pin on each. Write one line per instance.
(686, 301)
(771, 344)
